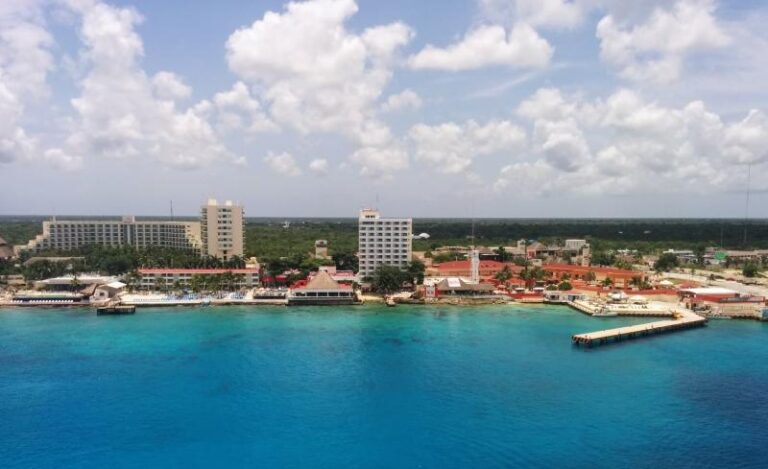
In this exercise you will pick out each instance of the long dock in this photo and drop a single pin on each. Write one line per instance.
(686, 320)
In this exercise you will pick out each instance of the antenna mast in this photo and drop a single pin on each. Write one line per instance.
(746, 205)
(474, 261)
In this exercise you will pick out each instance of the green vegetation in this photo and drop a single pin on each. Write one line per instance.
(19, 230)
(269, 240)
(750, 269)
(666, 262)
(113, 261)
(389, 279)
(216, 282)
(504, 274)
(646, 235)
(602, 258)
(448, 257)
(533, 275)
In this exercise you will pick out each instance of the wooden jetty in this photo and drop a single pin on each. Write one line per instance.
(115, 310)
(685, 320)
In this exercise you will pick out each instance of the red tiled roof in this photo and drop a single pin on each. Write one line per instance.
(457, 265)
(466, 264)
(585, 269)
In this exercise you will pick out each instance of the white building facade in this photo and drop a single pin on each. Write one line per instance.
(64, 235)
(169, 278)
(383, 241)
(575, 244)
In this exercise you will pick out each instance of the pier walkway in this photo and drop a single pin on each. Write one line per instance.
(685, 320)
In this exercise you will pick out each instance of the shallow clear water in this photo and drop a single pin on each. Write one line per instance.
(375, 387)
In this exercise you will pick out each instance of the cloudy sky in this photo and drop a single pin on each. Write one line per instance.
(451, 108)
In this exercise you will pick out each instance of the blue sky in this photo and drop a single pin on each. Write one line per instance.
(497, 108)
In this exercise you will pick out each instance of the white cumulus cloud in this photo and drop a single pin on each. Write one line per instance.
(120, 111)
(654, 50)
(316, 75)
(319, 166)
(451, 147)
(487, 46)
(62, 160)
(626, 143)
(25, 62)
(283, 163)
(170, 86)
(379, 162)
(239, 109)
(406, 99)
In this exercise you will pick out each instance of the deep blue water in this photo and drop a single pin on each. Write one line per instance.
(436, 387)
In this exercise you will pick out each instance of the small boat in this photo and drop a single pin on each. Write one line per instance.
(115, 310)
(604, 313)
(390, 302)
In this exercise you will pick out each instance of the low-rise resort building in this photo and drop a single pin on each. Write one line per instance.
(182, 279)
(66, 235)
(218, 233)
(456, 286)
(322, 289)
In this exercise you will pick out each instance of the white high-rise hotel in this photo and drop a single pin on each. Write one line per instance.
(383, 241)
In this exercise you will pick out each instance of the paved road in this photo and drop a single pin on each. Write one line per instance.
(736, 286)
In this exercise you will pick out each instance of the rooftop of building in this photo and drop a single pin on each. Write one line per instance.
(460, 284)
(82, 279)
(588, 268)
(712, 291)
(54, 259)
(6, 250)
(323, 282)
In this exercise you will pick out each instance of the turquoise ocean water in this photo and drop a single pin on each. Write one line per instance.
(439, 387)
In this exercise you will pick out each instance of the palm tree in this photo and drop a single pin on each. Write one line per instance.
(75, 283)
(531, 276)
(132, 279)
(504, 274)
(196, 283)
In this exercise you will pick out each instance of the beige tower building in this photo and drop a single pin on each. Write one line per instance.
(222, 229)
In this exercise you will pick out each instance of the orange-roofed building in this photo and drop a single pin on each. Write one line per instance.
(462, 268)
(620, 277)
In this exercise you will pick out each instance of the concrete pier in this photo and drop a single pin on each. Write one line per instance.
(684, 320)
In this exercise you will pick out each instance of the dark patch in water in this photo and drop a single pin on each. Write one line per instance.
(221, 390)
(218, 341)
(393, 340)
(440, 315)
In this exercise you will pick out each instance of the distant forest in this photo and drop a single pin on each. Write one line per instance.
(269, 237)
